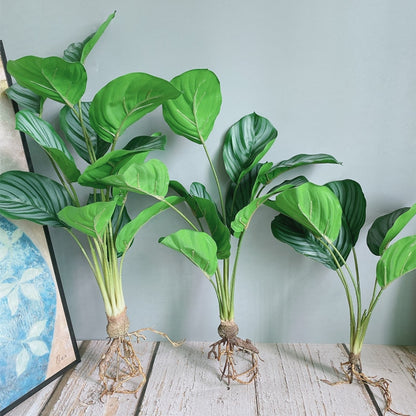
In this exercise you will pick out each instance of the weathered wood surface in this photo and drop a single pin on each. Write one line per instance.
(182, 381)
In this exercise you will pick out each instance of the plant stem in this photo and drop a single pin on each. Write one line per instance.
(217, 182)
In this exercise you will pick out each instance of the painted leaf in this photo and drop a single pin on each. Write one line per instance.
(126, 235)
(246, 142)
(197, 246)
(74, 133)
(38, 348)
(36, 329)
(22, 360)
(30, 196)
(396, 261)
(51, 77)
(45, 135)
(91, 219)
(295, 162)
(77, 52)
(25, 99)
(125, 100)
(313, 206)
(193, 114)
(385, 228)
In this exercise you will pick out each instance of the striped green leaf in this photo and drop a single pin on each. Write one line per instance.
(46, 136)
(246, 142)
(33, 197)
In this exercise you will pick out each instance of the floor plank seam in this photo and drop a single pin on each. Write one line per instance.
(369, 391)
(56, 392)
(148, 375)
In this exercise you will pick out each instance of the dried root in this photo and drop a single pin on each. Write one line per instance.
(352, 369)
(227, 346)
(120, 363)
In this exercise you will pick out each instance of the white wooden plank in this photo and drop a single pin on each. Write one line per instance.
(184, 382)
(290, 382)
(394, 364)
(80, 394)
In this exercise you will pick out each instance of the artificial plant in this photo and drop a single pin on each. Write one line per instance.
(92, 202)
(220, 220)
(324, 223)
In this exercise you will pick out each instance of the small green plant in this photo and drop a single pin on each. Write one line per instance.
(208, 242)
(324, 223)
(93, 129)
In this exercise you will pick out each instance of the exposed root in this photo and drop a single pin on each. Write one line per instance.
(352, 369)
(120, 363)
(227, 346)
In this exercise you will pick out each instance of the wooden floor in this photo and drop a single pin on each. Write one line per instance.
(182, 382)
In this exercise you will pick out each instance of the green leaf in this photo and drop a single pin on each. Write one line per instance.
(193, 114)
(353, 204)
(246, 142)
(33, 197)
(387, 227)
(150, 178)
(241, 194)
(218, 229)
(51, 77)
(108, 165)
(197, 246)
(396, 261)
(46, 136)
(74, 133)
(244, 216)
(156, 141)
(304, 242)
(295, 162)
(313, 206)
(126, 235)
(77, 52)
(91, 219)
(189, 199)
(125, 100)
(199, 190)
(25, 99)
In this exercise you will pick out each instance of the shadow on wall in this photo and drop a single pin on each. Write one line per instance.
(401, 329)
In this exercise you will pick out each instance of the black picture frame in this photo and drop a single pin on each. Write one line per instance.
(31, 290)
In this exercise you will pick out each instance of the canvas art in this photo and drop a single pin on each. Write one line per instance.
(36, 338)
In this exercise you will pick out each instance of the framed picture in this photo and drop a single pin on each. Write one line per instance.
(37, 343)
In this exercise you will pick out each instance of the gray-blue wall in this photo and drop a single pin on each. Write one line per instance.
(333, 76)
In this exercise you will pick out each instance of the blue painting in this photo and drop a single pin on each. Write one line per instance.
(27, 314)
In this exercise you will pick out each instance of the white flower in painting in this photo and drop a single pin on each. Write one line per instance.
(32, 344)
(23, 286)
(7, 240)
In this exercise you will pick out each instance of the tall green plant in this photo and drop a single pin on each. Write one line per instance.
(93, 129)
(217, 221)
(310, 232)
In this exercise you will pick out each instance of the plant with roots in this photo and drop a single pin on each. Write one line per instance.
(93, 129)
(324, 223)
(208, 242)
